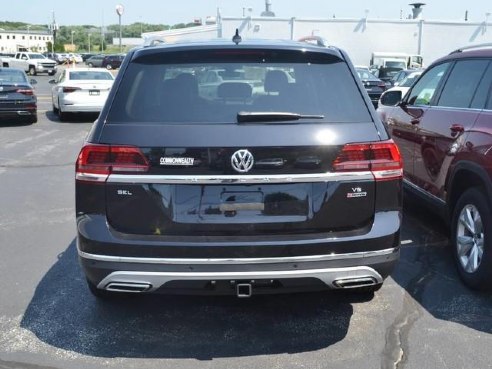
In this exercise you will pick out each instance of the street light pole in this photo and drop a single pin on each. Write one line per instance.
(72, 41)
(54, 28)
(119, 10)
(89, 35)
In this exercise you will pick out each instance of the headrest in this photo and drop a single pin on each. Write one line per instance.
(275, 81)
(234, 90)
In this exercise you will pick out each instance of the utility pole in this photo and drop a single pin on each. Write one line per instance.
(53, 28)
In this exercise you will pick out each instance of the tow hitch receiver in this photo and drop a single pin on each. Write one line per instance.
(244, 290)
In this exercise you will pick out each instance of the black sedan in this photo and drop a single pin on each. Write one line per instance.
(373, 85)
(17, 98)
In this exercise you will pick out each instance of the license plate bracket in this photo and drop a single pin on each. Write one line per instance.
(94, 92)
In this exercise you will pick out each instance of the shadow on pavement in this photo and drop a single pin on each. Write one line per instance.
(14, 122)
(72, 118)
(64, 314)
(428, 273)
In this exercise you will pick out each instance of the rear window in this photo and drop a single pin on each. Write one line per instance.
(212, 87)
(91, 75)
(8, 76)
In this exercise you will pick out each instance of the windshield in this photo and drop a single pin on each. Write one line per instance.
(395, 64)
(216, 91)
(364, 74)
(36, 56)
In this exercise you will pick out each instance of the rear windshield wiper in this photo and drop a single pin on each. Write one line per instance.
(275, 116)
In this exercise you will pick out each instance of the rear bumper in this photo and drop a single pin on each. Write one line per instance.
(270, 277)
(19, 111)
(74, 106)
(186, 267)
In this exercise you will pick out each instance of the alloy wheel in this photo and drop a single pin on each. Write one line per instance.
(470, 238)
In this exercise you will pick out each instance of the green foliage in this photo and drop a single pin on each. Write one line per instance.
(81, 33)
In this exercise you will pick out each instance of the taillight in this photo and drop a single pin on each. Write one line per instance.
(96, 162)
(383, 159)
(25, 91)
(70, 89)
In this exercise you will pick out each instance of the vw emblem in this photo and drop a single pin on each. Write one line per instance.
(242, 161)
(1, 88)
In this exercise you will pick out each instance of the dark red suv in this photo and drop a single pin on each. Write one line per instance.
(443, 126)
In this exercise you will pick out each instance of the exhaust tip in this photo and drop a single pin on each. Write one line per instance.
(128, 287)
(354, 282)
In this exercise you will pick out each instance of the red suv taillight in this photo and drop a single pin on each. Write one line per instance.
(383, 159)
(96, 162)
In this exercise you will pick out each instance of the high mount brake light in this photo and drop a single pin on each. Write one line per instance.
(382, 159)
(96, 162)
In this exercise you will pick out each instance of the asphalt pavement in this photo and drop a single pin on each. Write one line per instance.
(423, 317)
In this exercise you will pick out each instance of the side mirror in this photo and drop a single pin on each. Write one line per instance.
(51, 81)
(33, 82)
(391, 98)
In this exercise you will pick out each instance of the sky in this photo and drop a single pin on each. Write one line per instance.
(97, 12)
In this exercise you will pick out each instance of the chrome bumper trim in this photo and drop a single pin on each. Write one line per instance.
(158, 279)
(224, 179)
(271, 260)
(91, 177)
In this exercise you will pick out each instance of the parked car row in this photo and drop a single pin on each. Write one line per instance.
(432, 132)
(62, 58)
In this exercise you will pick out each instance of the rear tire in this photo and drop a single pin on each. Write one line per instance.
(33, 119)
(32, 70)
(62, 115)
(471, 239)
(109, 67)
(90, 65)
(55, 110)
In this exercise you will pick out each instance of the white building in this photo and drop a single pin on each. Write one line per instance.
(360, 37)
(13, 41)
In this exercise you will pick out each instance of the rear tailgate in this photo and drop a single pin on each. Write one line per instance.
(290, 189)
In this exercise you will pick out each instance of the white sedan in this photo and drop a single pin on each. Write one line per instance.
(80, 90)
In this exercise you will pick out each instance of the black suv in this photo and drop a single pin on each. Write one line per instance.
(281, 179)
(443, 128)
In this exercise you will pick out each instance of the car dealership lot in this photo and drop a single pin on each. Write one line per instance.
(423, 317)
